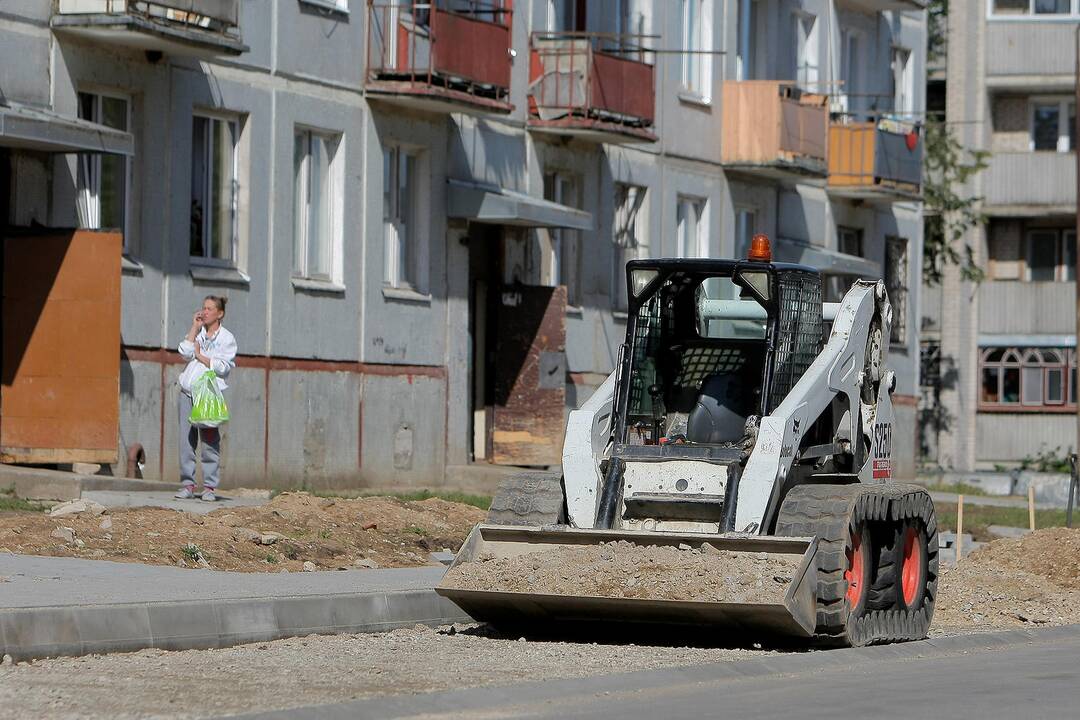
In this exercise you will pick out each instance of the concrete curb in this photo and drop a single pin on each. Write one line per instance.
(573, 695)
(42, 484)
(29, 633)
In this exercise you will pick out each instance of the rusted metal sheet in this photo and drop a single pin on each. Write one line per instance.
(530, 376)
(474, 50)
(60, 385)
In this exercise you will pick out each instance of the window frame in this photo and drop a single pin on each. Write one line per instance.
(1064, 138)
(860, 237)
(206, 259)
(696, 39)
(335, 204)
(1031, 15)
(700, 206)
(632, 226)
(1062, 237)
(806, 49)
(903, 80)
(1024, 359)
(93, 162)
(407, 275)
(563, 242)
(900, 289)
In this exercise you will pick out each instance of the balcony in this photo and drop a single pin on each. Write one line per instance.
(772, 128)
(200, 28)
(877, 6)
(876, 160)
(1030, 183)
(1026, 308)
(426, 57)
(591, 85)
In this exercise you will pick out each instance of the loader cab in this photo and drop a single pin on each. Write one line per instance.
(709, 345)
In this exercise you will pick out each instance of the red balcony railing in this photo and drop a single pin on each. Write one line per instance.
(591, 82)
(424, 49)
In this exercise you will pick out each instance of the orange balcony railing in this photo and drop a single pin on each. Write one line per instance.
(423, 49)
(771, 124)
(880, 156)
(591, 83)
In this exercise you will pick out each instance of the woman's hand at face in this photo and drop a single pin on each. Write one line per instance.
(197, 321)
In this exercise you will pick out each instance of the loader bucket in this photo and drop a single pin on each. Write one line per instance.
(792, 613)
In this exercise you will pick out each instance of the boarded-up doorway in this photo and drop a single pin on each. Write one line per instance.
(529, 390)
(60, 314)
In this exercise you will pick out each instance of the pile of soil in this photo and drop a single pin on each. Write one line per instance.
(289, 531)
(1014, 582)
(625, 570)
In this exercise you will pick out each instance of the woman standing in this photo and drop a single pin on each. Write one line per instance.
(208, 346)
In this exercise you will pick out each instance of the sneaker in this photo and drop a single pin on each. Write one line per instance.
(208, 495)
(184, 493)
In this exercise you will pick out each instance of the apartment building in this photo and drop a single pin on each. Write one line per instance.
(421, 213)
(1002, 353)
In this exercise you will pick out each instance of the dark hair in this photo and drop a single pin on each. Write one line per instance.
(218, 300)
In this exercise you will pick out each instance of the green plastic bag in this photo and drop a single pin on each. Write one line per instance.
(208, 409)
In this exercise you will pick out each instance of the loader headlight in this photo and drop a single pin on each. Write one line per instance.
(640, 279)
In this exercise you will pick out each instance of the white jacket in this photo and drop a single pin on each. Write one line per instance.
(221, 349)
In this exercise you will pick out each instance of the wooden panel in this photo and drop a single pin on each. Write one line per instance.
(851, 154)
(750, 122)
(59, 394)
(530, 376)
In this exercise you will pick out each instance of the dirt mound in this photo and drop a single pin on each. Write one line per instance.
(1014, 582)
(625, 570)
(283, 534)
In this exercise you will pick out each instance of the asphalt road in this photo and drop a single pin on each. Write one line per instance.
(1030, 675)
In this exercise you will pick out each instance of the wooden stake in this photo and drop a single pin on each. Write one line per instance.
(959, 526)
(1031, 506)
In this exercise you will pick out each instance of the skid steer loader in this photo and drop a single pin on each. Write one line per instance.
(731, 419)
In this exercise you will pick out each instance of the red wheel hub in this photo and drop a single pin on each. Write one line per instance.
(856, 570)
(912, 563)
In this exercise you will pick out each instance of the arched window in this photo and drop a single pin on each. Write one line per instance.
(1027, 378)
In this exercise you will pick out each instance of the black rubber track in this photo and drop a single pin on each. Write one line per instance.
(531, 497)
(831, 512)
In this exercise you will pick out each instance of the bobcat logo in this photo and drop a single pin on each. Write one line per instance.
(795, 427)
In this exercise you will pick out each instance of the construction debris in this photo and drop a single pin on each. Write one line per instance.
(74, 507)
(1013, 582)
(298, 527)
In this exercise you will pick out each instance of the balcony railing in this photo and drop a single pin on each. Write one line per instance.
(1025, 308)
(877, 158)
(428, 53)
(1037, 180)
(184, 26)
(876, 6)
(772, 125)
(592, 84)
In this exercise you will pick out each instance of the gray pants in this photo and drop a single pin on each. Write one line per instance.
(189, 441)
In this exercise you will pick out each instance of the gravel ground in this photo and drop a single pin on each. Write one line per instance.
(313, 670)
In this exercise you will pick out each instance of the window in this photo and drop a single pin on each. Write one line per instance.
(903, 79)
(696, 16)
(746, 50)
(1051, 255)
(849, 240)
(564, 250)
(214, 189)
(316, 205)
(745, 228)
(104, 181)
(1027, 378)
(849, 69)
(1053, 124)
(400, 219)
(690, 238)
(806, 51)
(896, 284)
(1012, 8)
(630, 243)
